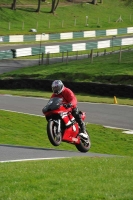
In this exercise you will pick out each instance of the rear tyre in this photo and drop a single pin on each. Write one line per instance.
(84, 144)
(54, 137)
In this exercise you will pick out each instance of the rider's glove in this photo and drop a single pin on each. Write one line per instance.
(67, 105)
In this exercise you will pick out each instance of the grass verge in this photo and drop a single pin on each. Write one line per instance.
(104, 69)
(24, 16)
(80, 96)
(80, 178)
(31, 131)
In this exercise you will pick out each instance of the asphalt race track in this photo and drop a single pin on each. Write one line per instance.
(10, 65)
(105, 114)
(108, 115)
(17, 154)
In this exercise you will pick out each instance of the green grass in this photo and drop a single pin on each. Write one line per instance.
(31, 131)
(103, 16)
(79, 178)
(80, 96)
(104, 69)
(65, 179)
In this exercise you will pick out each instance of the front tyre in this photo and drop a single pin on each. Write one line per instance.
(54, 137)
(84, 144)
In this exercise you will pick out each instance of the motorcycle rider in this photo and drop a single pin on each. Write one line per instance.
(59, 90)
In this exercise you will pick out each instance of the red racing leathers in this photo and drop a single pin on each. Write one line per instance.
(68, 97)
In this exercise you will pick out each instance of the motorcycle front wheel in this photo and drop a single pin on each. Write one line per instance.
(54, 137)
(84, 145)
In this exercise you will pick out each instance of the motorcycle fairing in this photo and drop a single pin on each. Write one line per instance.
(71, 136)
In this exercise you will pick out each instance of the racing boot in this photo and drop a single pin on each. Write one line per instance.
(83, 132)
(82, 127)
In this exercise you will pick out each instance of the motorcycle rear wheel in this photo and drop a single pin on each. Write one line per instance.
(54, 137)
(84, 145)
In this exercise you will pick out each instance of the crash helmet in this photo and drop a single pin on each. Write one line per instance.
(57, 86)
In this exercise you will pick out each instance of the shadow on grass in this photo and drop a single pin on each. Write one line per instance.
(77, 77)
(32, 9)
(117, 79)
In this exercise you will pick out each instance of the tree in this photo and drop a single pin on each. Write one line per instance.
(54, 5)
(94, 2)
(39, 5)
(13, 5)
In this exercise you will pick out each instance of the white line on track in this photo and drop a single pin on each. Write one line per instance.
(30, 97)
(22, 113)
(127, 131)
(32, 159)
(48, 99)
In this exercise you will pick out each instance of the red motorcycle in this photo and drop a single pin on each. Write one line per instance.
(62, 126)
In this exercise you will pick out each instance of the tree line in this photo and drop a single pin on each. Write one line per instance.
(53, 5)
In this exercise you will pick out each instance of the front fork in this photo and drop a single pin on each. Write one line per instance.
(58, 123)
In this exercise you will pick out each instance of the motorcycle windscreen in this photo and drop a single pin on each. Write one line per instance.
(53, 104)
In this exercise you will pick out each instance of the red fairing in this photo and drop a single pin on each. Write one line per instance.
(68, 96)
(66, 116)
(71, 133)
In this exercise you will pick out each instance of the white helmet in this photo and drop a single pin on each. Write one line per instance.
(57, 86)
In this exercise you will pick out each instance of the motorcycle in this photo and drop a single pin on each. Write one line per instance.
(62, 126)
